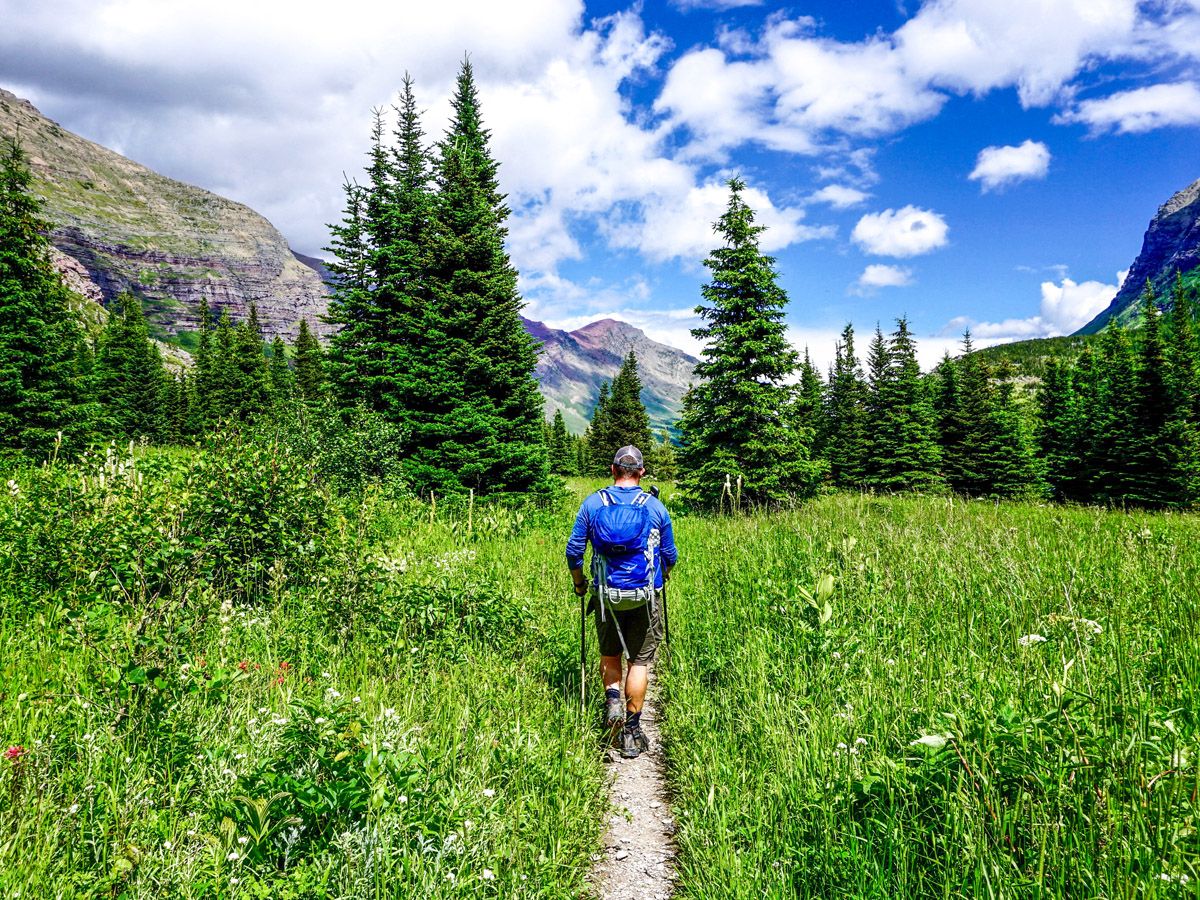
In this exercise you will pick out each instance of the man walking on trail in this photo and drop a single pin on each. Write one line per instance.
(633, 552)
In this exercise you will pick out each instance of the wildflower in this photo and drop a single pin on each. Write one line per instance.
(262, 710)
(88, 738)
(358, 699)
(389, 713)
(449, 876)
(167, 845)
(326, 675)
(936, 741)
(403, 798)
(284, 666)
(861, 741)
(239, 756)
(235, 881)
(320, 720)
(231, 855)
(889, 661)
(489, 875)
(837, 654)
(14, 489)
(1028, 640)
(191, 832)
(229, 773)
(1094, 627)
(15, 752)
(243, 840)
(333, 693)
(841, 746)
(488, 792)
(73, 808)
(244, 665)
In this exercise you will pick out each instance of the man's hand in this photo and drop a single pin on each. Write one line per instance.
(581, 585)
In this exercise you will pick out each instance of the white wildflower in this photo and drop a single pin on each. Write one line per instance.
(488, 792)
(489, 875)
(936, 741)
(841, 745)
(326, 675)
(403, 798)
(231, 855)
(167, 845)
(235, 881)
(889, 662)
(242, 839)
(73, 808)
(333, 693)
(358, 699)
(1028, 640)
(837, 654)
(861, 741)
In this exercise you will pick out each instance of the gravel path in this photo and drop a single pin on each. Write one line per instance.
(639, 848)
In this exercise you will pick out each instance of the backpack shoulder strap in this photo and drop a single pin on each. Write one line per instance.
(640, 499)
(606, 497)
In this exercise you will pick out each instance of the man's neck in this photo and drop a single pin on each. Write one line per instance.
(626, 482)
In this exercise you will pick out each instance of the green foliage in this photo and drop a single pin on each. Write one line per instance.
(929, 727)
(902, 452)
(844, 437)
(130, 383)
(737, 423)
(43, 359)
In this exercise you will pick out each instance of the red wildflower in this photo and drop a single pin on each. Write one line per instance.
(284, 666)
(15, 752)
(244, 665)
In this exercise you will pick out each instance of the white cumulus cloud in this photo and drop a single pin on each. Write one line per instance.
(909, 231)
(876, 276)
(997, 167)
(1139, 110)
(839, 196)
(1066, 307)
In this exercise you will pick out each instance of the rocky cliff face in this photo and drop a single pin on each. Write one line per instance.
(119, 226)
(574, 364)
(1171, 245)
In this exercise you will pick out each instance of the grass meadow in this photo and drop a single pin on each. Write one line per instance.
(218, 679)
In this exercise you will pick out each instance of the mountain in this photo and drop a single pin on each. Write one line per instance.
(119, 226)
(1171, 244)
(574, 363)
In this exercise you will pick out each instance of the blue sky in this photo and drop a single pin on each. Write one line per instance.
(963, 162)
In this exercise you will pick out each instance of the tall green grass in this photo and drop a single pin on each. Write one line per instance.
(1001, 703)
(216, 687)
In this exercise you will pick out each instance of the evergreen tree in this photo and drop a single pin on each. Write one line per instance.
(600, 436)
(280, 380)
(492, 436)
(42, 351)
(903, 452)
(735, 421)
(628, 421)
(1117, 444)
(562, 460)
(665, 466)
(1060, 432)
(130, 381)
(809, 404)
(310, 366)
(844, 438)
(250, 394)
(201, 386)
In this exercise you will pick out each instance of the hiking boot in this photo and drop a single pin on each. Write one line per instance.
(634, 742)
(614, 713)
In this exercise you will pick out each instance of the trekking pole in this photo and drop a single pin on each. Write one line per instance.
(583, 653)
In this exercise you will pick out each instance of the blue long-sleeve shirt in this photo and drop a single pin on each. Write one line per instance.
(659, 518)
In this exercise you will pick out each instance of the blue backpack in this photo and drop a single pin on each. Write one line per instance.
(623, 542)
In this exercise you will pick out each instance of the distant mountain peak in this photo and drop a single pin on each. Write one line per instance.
(573, 365)
(1171, 245)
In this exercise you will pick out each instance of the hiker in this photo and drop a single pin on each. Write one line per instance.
(633, 552)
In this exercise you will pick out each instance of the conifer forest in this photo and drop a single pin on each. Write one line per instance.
(291, 619)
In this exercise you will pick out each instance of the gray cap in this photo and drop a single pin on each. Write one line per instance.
(629, 456)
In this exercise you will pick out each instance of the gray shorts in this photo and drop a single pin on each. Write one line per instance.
(642, 630)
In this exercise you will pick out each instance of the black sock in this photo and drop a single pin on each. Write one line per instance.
(632, 719)
(612, 693)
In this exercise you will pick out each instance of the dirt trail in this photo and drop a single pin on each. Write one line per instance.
(639, 848)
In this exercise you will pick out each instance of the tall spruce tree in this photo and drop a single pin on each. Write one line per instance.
(736, 420)
(1060, 430)
(281, 381)
(1117, 443)
(131, 384)
(903, 452)
(600, 435)
(491, 439)
(41, 343)
(562, 459)
(628, 421)
(809, 404)
(844, 439)
(310, 366)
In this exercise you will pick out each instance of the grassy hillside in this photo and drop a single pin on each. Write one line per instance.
(1030, 357)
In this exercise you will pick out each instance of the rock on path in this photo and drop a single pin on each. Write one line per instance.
(639, 848)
